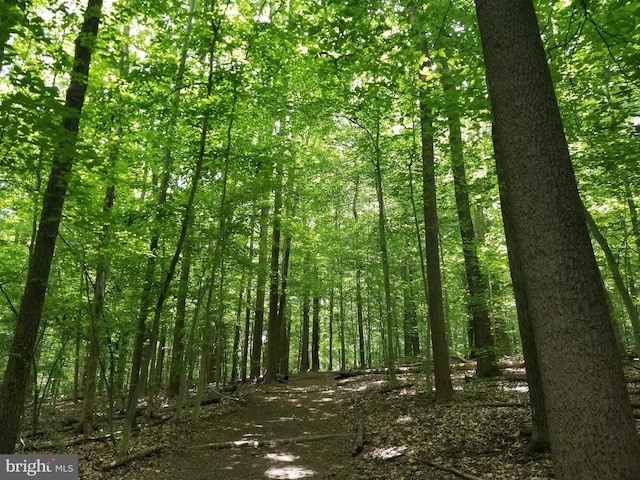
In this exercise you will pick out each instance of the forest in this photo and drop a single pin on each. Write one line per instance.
(208, 197)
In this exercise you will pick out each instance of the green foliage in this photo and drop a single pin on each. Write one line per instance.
(317, 86)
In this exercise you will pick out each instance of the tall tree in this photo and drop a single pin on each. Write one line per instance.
(16, 376)
(258, 320)
(591, 426)
(477, 286)
(274, 326)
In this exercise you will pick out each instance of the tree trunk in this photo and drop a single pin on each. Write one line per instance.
(315, 335)
(274, 326)
(617, 278)
(444, 389)
(384, 258)
(177, 350)
(97, 306)
(591, 426)
(539, 441)
(258, 321)
(304, 358)
(483, 346)
(16, 376)
(236, 334)
(359, 305)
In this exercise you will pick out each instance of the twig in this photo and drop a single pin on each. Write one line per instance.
(444, 468)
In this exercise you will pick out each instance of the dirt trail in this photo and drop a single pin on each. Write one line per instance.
(308, 404)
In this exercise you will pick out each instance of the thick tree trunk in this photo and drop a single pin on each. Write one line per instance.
(591, 426)
(539, 441)
(16, 376)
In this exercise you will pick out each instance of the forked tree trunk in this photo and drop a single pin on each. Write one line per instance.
(21, 354)
(591, 426)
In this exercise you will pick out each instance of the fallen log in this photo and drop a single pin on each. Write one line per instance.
(267, 443)
(145, 452)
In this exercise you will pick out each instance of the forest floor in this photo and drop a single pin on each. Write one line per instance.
(309, 427)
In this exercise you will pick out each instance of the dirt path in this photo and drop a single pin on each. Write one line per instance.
(308, 404)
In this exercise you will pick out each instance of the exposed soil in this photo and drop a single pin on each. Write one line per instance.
(406, 435)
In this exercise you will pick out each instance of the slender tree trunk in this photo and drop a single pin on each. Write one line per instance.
(282, 309)
(274, 326)
(97, 306)
(484, 346)
(331, 322)
(425, 285)
(343, 348)
(444, 389)
(315, 335)
(304, 359)
(247, 312)
(236, 334)
(359, 305)
(16, 376)
(384, 255)
(177, 350)
(256, 351)
(591, 426)
(410, 323)
(617, 278)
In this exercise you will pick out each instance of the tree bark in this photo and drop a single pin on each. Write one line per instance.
(274, 327)
(483, 345)
(591, 426)
(304, 358)
(16, 376)
(315, 335)
(617, 278)
(258, 320)
(444, 389)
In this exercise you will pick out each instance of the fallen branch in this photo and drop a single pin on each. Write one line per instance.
(268, 443)
(444, 468)
(145, 452)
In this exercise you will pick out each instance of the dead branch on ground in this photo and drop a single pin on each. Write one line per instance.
(268, 443)
(145, 452)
